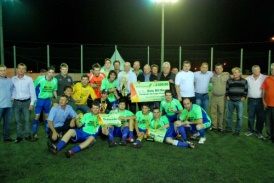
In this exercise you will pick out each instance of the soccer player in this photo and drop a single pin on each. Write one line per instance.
(87, 135)
(63, 79)
(106, 70)
(170, 107)
(96, 78)
(143, 118)
(58, 116)
(122, 130)
(46, 87)
(194, 119)
(110, 83)
(105, 105)
(81, 92)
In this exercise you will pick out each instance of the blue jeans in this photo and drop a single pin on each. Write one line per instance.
(83, 108)
(255, 108)
(6, 113)
(19, 108)
(231, 105)
(202, 100)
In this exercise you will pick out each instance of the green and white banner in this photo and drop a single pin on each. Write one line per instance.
(109, 119)
(157, 134)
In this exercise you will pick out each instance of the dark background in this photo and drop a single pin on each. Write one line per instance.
(196, 25)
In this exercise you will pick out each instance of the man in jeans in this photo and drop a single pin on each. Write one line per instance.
(255, 103)
(236, 92)
(6, 88)
(268, 102)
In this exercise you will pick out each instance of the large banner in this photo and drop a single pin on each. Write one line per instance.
(109, 119)
(148, 91)
(156, 134)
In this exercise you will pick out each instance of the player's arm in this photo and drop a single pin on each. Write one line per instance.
(54, 133)
(164, 127)
(178, 92)
(263, 99)
(199, 121)
(129, 117)
(54, 93)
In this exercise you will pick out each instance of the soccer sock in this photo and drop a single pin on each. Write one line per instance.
(110, 134)
(75, 149)
(46, 126)
(182, 144)
(202, 133)
(125, 132)
(138, 141)
(182, 132)
(35, 126)
(131, 134)
(60, 145)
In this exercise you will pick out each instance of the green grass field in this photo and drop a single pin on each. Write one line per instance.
(223, 158)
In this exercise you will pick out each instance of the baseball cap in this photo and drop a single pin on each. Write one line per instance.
(105, 91)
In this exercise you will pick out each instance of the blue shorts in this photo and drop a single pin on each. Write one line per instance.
(171, 133)
(173, 118)
(42, 104)
(82, 136)
(193, 127)
(140, 130)
(117, 132)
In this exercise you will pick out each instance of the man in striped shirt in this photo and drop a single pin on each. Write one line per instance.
(236, 92)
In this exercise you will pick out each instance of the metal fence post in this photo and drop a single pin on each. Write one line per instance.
(48, 63)
(180, 58)
(269, 61)
(82, 60)
(148, 55)
(14, 59)
(211, 59)
(115, 52)
(241, 63)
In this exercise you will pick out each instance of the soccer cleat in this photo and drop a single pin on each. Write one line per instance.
(123, 143)
(68, 153)
(248, 133)
(130, 140)
(191, 145)
(112, 143)
(259, 135)
(137, 145)
(202, 140)
(52, 147)
(35, 136)
(236, 134)
(194, 136)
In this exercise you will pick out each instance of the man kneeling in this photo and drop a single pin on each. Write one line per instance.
(195, 119)
(87, 135)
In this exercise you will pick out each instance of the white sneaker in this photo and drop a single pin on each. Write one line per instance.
(202, 140)
(194, 136)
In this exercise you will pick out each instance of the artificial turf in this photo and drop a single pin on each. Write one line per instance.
(223, 158)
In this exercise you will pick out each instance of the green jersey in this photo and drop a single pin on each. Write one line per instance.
(159, 123)
(108, 85)
(44, 88)
(194, 114)
(105, 72)
(143, 120)
(90, 123)
(167, 106)
(125, 113)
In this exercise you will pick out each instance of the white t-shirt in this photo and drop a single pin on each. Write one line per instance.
(254, 87)
(185, 80)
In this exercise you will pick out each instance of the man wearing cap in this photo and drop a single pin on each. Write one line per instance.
(105, 105)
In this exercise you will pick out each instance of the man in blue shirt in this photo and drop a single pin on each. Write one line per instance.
(6, 87)
(124, 79)
(57, 118)
(202, 80)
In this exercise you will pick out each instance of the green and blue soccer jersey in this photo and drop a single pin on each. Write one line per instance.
(108, 85)
(90, 123)
(125, 113)
(159, 123)
(105, 72)
(44, 88)
(194, 114)
(167, 106)
(143, 120)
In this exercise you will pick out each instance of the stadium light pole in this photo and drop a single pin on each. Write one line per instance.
(163, 2)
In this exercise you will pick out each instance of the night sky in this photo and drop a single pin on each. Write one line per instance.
(138, 22)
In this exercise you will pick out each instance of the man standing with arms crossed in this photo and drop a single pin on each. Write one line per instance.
(255, 103)
(6, 88)
(218, 98)
(24, 98)
(63, 79)
(268, 101)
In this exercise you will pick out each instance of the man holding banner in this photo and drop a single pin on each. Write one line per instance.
(170, 107)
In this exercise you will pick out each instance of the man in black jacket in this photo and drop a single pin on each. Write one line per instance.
(147, 76)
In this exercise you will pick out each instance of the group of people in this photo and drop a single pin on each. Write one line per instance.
(105, 91)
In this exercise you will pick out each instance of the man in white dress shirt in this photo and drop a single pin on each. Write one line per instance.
(24, 97)
(184, 83)
(255, 103)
